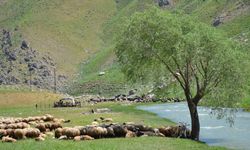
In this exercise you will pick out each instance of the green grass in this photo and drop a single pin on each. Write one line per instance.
(120, 113)
(68, 30)
(144, 143)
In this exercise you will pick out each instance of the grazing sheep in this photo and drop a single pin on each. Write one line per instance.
(41, 127)
(32, 132)
(8, 139)
(58, 132)
(130, 134)
(19, 134)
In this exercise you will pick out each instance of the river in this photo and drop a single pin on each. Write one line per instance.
(213, 131)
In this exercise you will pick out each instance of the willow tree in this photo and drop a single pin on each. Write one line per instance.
(159, 45)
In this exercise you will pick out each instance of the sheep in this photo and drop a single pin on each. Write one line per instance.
(94, 123)
(49, 117)
(48, 125)
(41, 127)
(8, 139)
(83, 137)
(11, 126)
(2, 126)
(3, 132)
(58, 132)
(83, 130)
(130, 134)
(166, 131)
(106, 119)
(25, 125)
(96, 132)
(10, 132)
(72, 132)
(43, 135)
(110, 132)
(148, 133)
(86, 137)
(32, 132)
(77, 138)
(119, 131)
(19, 134)
(55, 125)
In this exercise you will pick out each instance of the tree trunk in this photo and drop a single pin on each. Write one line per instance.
(195, 121)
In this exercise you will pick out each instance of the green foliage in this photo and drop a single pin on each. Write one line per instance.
(155, 42)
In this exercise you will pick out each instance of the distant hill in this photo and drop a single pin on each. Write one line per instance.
(78, 34)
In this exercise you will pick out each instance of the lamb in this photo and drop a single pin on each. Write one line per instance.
(8, 139)
(19, 134)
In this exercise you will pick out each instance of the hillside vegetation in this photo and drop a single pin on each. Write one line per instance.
(79, 35)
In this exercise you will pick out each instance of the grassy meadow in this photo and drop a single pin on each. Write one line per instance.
(121, 112)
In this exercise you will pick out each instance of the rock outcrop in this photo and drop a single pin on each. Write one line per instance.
(24, 65)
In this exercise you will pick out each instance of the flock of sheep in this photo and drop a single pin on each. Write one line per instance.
(38, 128)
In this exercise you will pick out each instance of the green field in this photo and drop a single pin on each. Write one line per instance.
(120, 113)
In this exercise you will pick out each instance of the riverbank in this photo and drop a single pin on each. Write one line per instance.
(120, 113)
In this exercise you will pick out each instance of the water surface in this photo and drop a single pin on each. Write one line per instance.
(213, 131)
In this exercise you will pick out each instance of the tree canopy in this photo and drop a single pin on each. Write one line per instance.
(156, 45)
